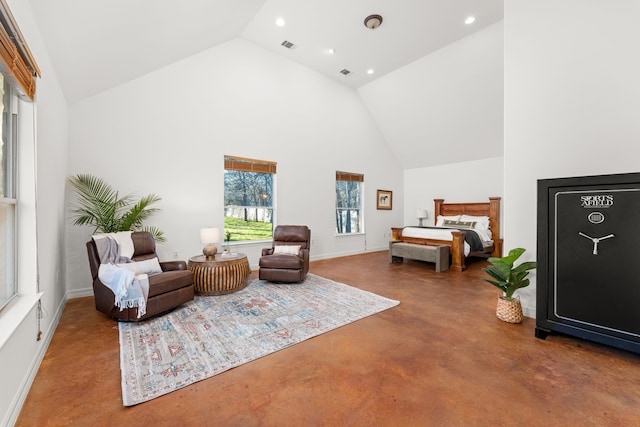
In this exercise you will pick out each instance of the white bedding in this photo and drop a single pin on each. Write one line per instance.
(445, 234)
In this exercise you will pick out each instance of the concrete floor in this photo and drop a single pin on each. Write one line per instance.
(441, 358)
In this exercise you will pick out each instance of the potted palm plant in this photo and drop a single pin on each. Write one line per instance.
(508, 279)
(100, 206)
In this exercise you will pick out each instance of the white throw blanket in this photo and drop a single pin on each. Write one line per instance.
(130, 290)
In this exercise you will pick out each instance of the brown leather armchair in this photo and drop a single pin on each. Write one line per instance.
(281, 264)
(167, 290)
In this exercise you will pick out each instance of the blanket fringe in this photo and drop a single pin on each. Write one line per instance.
(140, 303)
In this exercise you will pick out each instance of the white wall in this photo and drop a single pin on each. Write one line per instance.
(572, 97)
(167, 133)
(21, 354)
(473, 181)
(445, 107)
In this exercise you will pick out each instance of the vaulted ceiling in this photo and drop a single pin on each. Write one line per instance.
(95, 45)
(98, 44)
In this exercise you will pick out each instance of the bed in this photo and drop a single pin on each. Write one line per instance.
(457, 238)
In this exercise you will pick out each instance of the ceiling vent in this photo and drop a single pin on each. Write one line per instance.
(287, 44)
(345, 72)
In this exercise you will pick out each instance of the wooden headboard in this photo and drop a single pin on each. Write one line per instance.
(490, 209)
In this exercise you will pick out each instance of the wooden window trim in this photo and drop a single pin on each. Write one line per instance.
(249, 165)
(15, 53)
(348, 176)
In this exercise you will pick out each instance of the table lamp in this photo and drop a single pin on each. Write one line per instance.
(210, 236)
(421, 214)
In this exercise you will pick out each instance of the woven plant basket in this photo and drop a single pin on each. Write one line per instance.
(509, 310)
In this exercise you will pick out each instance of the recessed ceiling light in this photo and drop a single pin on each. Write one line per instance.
(470, 20)
(280, 22)
(370, 71)
(330, 51)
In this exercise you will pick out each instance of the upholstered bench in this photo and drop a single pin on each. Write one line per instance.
(436, 254)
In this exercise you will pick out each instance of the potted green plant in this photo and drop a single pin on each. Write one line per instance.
(508, 279)
(100, 206)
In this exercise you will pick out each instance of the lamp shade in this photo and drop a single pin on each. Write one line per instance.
(209, 235)
(421, 213)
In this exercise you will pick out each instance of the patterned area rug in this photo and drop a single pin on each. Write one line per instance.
(214, 334)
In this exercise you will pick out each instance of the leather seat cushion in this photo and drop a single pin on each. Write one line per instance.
(169, 281)
(288, 262)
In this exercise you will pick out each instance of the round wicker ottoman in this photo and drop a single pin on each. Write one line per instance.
(220, 275)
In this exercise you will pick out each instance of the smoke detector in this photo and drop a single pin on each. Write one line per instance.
(372, 21)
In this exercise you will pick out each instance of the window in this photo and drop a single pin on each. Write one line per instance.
(8, 202)
(349, 203)
(18, 243)
(248, 199)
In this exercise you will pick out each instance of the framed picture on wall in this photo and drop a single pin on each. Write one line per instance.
(385, 199)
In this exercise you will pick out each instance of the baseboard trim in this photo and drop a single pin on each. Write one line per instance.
(79, 293)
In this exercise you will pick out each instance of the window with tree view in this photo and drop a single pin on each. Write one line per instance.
(248, 199)
(349, 203)
(8, 199)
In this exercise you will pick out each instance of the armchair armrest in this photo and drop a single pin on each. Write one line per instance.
(173, 265)
(267, 251)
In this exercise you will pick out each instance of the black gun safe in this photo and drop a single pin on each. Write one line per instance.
(588, 254)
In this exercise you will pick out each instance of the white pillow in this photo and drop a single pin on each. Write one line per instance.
(286, 250)
(485, 236)
(442, 219)
(482, 222)
(148, 266)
